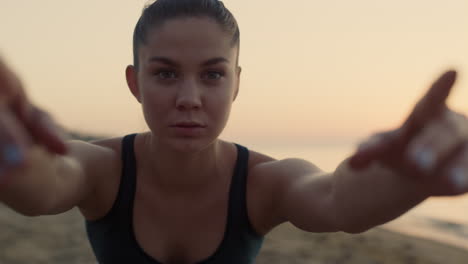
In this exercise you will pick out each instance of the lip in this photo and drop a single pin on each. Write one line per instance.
(188, 124)
(188, 128)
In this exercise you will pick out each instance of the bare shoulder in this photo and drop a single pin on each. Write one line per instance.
(89, 154)
(101, 162)
(113, 143)
(268, 170)
(268, 179)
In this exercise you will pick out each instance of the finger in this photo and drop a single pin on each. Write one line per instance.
(456, 172)
(12, 95)
(13, 141)
(428, 107)
(10, 85)
(40, 126)
(44, 131)
(436, 142)
(431, 105)
(375, 148)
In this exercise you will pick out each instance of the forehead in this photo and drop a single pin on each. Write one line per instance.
(188, 40)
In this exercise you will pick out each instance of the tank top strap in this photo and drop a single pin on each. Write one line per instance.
(127, 187)
(112, 237)
(122, 209)
(238, 215)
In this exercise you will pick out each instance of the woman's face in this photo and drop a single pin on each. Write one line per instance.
(187, 80)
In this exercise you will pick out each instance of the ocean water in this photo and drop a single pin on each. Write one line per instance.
(439, 218)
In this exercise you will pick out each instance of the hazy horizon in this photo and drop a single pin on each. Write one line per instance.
(312, 71)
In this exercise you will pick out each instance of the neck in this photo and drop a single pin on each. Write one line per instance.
(173, 171)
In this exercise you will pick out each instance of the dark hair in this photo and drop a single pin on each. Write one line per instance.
(160, 11)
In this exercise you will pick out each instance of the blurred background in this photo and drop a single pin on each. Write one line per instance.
(318, 76)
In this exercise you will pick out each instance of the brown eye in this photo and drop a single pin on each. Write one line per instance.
(212, 75)
(166, 74)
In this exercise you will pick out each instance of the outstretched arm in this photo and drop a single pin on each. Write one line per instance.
(387, 176)
(39, 172)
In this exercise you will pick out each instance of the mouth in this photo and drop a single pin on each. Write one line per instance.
(188, 124)
(188, 129)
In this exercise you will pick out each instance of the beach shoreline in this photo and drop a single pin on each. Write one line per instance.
(62, 239)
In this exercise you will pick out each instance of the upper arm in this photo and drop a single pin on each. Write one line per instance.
(298, 192)
(79, 174)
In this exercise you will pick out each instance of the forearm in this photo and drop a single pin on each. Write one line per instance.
(32, 189)
(370, 197)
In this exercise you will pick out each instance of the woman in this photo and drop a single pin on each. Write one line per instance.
(178, 193)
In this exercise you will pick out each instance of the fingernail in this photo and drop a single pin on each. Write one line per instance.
(423, 157)
(12, 155)
(459, 178)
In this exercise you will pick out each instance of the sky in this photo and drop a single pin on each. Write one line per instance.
(313, 71)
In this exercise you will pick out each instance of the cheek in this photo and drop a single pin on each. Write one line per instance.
(155, 106)
(224, 100)
(220, 108)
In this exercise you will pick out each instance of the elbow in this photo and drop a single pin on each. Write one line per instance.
(29, 213)
(29, 208)
(347, 219)
(348, 222)
(32, 210)
(356, 229)
(353, 226)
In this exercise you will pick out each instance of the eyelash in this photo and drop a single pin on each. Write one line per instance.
(205, 75)
(165, 71)
(162, 74)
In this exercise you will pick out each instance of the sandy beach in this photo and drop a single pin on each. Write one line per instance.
(61, 239)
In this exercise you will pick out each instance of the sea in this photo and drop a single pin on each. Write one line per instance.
(443, 219)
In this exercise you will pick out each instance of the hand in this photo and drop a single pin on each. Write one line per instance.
(431, 145)
(22, 124)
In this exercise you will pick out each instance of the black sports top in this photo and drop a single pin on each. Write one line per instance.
(113, 240)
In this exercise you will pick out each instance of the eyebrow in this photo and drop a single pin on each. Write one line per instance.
(167, 61)
(215, 61)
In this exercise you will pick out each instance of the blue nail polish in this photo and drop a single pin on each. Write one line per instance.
(423, 157)
(459, 178)
(426, 159)
(12, 155)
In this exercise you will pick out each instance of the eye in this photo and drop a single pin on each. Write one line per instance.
(212, 75)
(166, 74)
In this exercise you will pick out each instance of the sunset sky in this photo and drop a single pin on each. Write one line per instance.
(312, 70)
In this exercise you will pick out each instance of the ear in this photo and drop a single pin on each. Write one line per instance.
(238, 74)
(132, 81)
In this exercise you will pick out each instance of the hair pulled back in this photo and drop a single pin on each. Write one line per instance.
(160, 11)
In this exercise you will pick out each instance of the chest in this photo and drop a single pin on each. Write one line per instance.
(180, 230)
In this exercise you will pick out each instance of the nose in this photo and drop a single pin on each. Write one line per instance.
(189, 96)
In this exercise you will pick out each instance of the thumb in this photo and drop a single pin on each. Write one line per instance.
(432, 104)
(45, 131)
